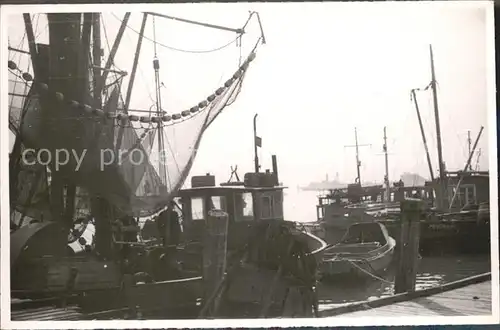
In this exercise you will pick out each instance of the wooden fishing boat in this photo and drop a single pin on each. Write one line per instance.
(254, 208)
(366, 250)
(62, 98)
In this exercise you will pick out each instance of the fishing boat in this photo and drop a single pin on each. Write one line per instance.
(255, 211)
(453, 221)
(366, 250)
(62, 98)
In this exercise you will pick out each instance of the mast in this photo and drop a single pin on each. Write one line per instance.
(471, 154)
(65, 48)
(477, 159)
(82, 83)
(469, 143)
(257, 143)
(442, 175)
(429, 163)
(101, 209)
(156, 67)
(96, 55)
(358, 162)
(386, 177)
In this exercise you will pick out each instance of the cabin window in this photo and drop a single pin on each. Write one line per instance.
(197, 208)
(218, 203)
(470, 194)
(466, 195)
(243, 205)
(320, 212)
(266, 207)
(277, 204)
(272, 205)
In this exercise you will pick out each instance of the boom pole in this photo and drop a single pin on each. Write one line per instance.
(132, 77)
(429, 163)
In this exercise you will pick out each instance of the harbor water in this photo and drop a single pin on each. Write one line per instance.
(432, 271)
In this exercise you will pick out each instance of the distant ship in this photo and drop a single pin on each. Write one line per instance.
(325, 185)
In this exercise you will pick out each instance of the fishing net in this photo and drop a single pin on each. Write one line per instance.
(106, 151)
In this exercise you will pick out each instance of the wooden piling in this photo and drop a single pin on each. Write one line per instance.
(214, 258)
(70, 285)
(408, 245)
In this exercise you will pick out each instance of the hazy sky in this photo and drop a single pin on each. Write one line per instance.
(326, 68)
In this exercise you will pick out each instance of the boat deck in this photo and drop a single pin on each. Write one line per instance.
(469, 297)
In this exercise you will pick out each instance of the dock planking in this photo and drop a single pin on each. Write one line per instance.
(469, 297)
(471, 300)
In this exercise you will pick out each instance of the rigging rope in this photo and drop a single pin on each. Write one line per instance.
(178, 49)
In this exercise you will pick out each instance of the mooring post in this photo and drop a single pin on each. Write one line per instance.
(70, 286)
(214, 258)
(408, 245)
(127, 294)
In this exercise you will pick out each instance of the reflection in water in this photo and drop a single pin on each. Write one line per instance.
(432, 271)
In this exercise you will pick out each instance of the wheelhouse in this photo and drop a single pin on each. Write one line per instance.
(259, 198)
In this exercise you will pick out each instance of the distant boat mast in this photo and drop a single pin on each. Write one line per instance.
(386, 177)
(358, 162)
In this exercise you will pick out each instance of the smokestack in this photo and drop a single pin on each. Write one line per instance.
(275, 168)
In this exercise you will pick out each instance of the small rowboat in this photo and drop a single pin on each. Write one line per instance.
(365, 250)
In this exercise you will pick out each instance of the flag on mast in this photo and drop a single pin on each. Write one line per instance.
(258, 141)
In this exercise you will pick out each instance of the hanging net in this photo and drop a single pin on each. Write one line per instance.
(104, 150)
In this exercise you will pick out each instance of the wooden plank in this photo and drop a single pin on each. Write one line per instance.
(458, 302)
(405, 297)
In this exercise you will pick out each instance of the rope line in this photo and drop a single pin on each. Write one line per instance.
(368, 273)
(178, 49)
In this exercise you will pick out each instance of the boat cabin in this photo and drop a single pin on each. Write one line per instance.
(258, 198)
(474, 188)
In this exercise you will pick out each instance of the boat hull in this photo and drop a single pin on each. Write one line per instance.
(449, 237)
(366, 258)
(361, 266)
(250, 286)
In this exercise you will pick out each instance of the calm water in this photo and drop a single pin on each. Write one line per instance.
(432, 271)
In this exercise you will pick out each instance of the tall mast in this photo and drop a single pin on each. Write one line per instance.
(469, 142)
(358, 162)
(442, 175)
(386, 177)
(96, 55)
(156, 67)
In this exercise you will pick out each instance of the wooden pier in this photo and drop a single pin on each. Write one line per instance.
(466, 297)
